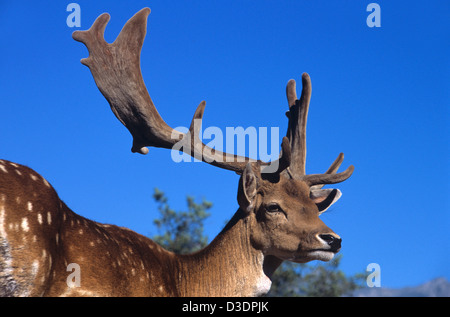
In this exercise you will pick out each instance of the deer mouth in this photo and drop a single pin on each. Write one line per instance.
(316, 254)
(322, 255)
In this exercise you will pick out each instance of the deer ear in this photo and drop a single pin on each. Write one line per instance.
(324, 198)
(247, 188)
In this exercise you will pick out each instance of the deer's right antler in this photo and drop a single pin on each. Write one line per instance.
(117, 73)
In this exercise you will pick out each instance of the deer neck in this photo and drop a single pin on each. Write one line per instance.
(229, 266)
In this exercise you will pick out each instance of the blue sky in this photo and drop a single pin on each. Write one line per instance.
(380, 95)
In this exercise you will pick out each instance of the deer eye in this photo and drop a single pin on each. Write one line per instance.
(274, 207)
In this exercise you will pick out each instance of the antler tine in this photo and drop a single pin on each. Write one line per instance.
(298, 114)
(332, 169)
(321, 179)
(93, 36)
(336, 164)
(291, 92)
(117, 73)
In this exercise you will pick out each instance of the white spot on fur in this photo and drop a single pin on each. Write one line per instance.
(39, 218)
(35, 267)
(49, 218)
(2, 222)
(25, 226)
(3, 168)
(30, 206)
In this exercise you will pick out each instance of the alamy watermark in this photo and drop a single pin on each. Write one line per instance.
(374, 18)
(374, 278)
(74, 278)
(234, 140)
(74, 18)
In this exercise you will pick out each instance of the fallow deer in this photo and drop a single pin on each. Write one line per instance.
(277, 219)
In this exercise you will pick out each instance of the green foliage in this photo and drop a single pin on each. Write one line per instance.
(182, 231)
(286, 280)
(314, 280)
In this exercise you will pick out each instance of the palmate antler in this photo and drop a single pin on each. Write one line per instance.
(117, 73)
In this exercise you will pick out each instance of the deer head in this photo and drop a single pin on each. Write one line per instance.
(277, 220)
(286, 204)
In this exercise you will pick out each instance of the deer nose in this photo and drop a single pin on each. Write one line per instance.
(333, 241)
